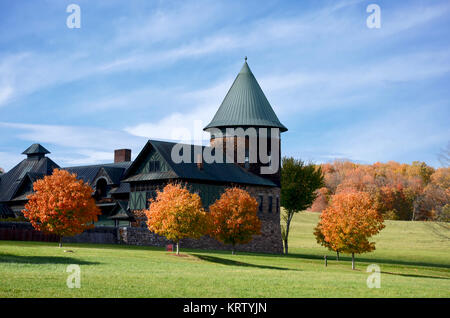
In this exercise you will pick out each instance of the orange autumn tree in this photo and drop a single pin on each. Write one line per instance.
(347, 224)
(61, 204)
(234, 218)
(176, 214)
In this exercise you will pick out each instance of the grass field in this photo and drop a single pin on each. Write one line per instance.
(414, 258)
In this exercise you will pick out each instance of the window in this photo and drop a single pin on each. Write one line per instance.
(247, 159)
(100, 189)
(154, 166)
(278, 205)
(260, 203)
(270, 204)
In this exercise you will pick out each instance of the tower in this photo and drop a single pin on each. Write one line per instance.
(245, 110)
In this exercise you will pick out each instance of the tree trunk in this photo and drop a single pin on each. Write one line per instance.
(285, 246)
(288, 224)
(337, 255)
(178, 248)
(60, 241)
(353, 260)
(233, 250)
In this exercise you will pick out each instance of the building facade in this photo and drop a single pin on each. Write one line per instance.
(123, 188)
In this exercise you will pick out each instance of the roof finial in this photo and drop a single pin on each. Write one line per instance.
(246, 59)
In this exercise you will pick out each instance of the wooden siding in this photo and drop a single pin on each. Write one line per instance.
(152, 156)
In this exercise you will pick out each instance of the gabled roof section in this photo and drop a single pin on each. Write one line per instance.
(141, 157)
(121, 211)
(245, 105)
(88, 173)
(33, 168)
(25, 186)
(36, 149)
(214, 172)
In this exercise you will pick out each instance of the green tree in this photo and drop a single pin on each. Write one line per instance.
(422, 170)
(299, 182)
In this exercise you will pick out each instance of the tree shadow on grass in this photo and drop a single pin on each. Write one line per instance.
(20, 259)
(229, 262)
(415, 275)
(372, 260)
(441, 230)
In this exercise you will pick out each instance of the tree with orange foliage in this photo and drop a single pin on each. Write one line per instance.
(234, 218)
(61, 204)
(176, 214)
(348, 223)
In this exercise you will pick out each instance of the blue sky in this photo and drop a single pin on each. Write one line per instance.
(160, 69)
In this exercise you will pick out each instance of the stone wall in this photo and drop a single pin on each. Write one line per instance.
(268, 242)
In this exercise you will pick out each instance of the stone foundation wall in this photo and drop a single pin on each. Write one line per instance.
(267, 242)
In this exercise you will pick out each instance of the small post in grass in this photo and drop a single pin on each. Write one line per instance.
(353, 260)
(326, 261)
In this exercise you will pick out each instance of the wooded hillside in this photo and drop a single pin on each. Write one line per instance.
(401, 191)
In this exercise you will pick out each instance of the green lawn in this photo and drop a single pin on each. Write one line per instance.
(414, 258)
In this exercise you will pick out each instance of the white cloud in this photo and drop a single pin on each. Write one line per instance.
(394, 134)
(186, 125)
(9, 160)
(78, 157)
(74, 136)
(76, 144)
(5, 93)
(133, 47)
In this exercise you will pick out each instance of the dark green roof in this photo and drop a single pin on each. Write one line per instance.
(120, 211)
(245, 105)
(211, 172)
(35, 149)
(88, 173)
(32, 168)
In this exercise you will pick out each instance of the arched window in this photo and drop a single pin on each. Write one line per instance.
(100, 188)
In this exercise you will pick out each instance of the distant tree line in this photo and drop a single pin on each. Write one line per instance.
(400, 191)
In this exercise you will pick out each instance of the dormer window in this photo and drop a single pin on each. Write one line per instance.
(100, 189)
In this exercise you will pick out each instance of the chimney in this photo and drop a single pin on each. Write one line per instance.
(122, 155)
(199, 162)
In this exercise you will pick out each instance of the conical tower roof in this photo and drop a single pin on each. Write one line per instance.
(245, 105)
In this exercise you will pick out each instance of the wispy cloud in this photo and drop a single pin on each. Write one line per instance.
(73, 136)
(81, 145)
(130, 82)
(27, 72)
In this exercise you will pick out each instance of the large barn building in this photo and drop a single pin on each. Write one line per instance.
(122, 188)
